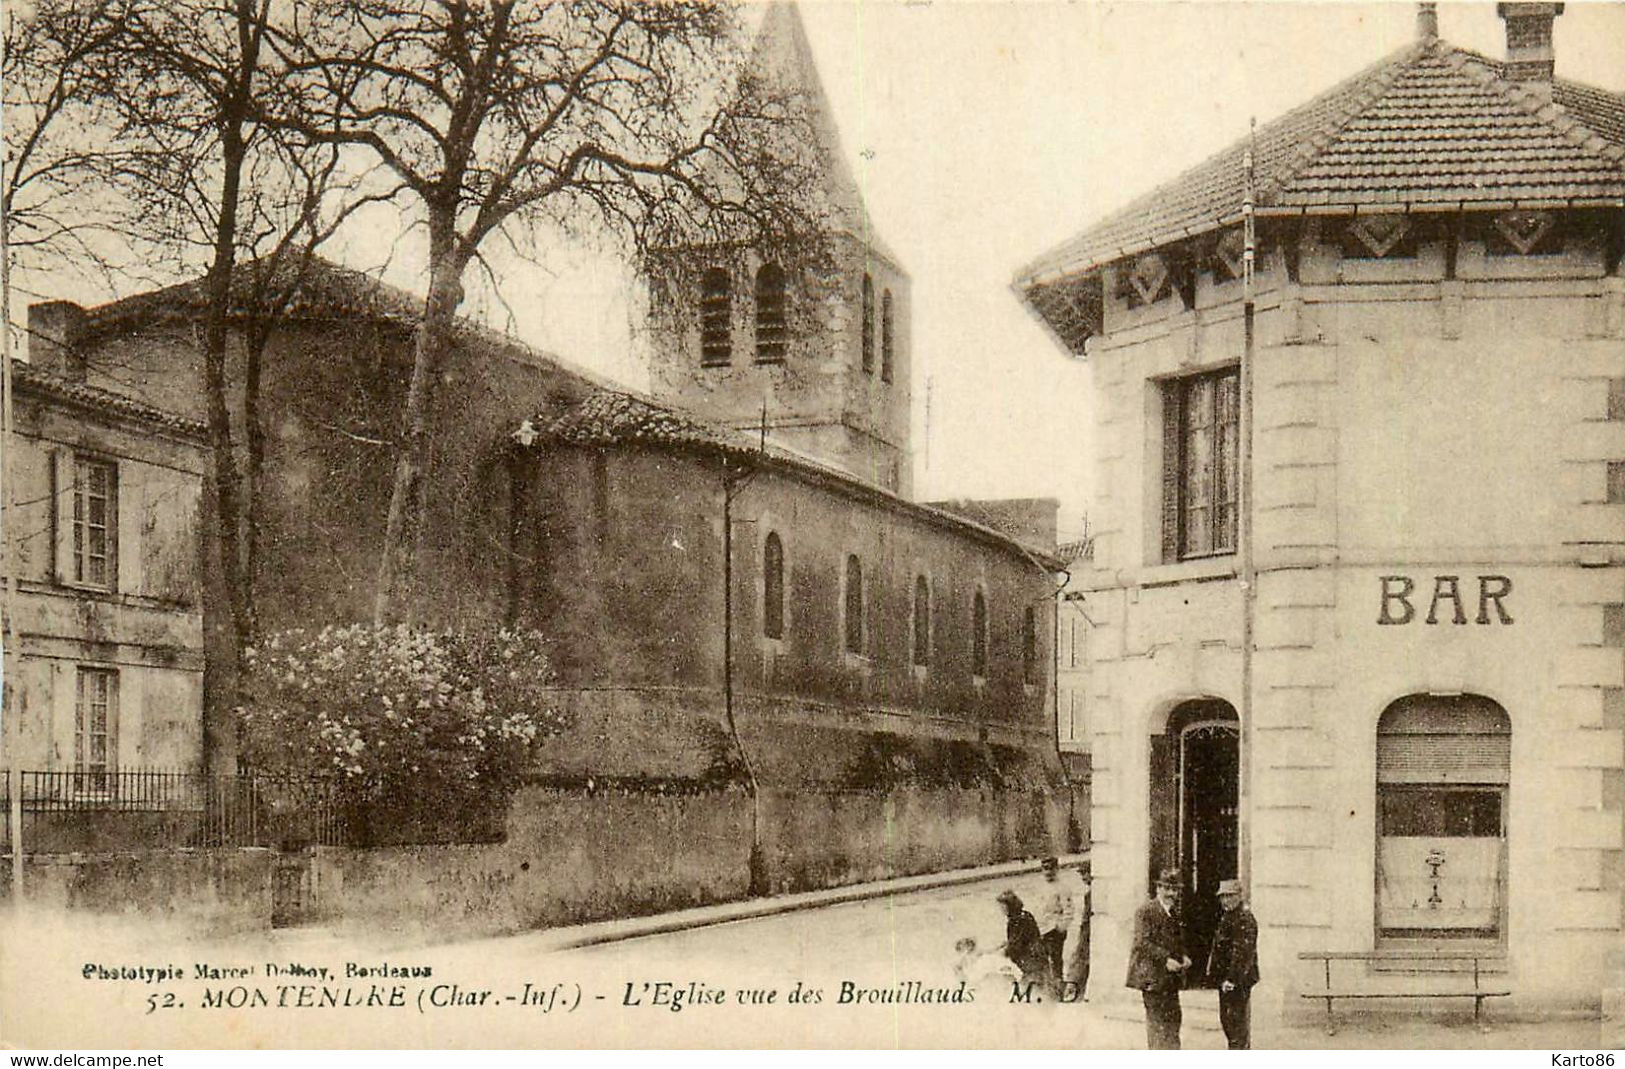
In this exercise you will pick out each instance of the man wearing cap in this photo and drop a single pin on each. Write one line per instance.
(1158, 962)
(1234, 964)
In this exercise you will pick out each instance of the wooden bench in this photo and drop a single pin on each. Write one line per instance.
(1420, 957)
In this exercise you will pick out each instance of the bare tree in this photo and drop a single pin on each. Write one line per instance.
(619, 116)
(187, 83)
(55, 217)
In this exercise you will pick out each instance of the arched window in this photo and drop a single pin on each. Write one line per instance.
(716, 318)
(854, 604)
(868, 325)
(885, 337)
(773, 586)
(922, 621)
(1443, 765)
(1029, 647)
(978, 636)
(771, 330)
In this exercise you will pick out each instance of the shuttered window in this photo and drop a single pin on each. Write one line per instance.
(771, 327)
(886, 354)
(716, 318)
(1426, 739)
(1443, 766)
(978, 637)
(1200, 441)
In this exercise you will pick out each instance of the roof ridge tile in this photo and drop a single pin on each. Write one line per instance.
(1536, 104)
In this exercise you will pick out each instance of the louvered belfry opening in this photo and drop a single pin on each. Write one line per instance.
(1444, 764)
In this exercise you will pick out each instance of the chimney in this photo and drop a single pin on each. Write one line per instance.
(1427, 21)
(54, 328)
(1529, 43)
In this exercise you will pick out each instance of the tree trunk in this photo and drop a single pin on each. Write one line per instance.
(397, 561)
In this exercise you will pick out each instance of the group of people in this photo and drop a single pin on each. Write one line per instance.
(1049, 946)
(1158, 963)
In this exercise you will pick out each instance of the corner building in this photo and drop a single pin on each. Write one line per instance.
(1430, 755)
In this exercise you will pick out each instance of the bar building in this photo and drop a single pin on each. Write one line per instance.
(1431, 752)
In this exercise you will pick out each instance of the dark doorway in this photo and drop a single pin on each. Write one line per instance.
(1195, 772)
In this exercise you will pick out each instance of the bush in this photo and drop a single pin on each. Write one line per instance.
(407, 721)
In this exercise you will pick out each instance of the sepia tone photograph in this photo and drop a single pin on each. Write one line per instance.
(560, 524)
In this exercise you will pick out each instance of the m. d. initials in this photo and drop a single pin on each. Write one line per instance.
(1397, 607)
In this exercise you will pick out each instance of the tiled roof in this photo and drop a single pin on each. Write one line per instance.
(1072, 552)
(325, 291)
(1431, 126)
(610, 417)
(32, 379)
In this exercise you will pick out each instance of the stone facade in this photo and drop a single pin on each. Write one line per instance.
(1438, 533)
(109, 614)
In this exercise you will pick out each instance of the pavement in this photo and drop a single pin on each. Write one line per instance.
(870, 966)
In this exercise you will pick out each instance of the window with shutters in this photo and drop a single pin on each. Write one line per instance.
(978, 636)
(773, 586)
(886, 352)
(853, 604)
(868, 325)
(1201, 423)
(1443, 766)
(772, 331)
(94, 523)
(922, 621)
(716, 318)
(94, 728)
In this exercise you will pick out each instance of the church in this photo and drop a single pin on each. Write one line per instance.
(1425, 751)
(780, 670)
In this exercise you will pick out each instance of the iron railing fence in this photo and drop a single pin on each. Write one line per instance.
(142, 809)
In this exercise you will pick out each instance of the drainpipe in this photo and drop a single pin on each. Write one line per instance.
(1249, 571)
(731, 487)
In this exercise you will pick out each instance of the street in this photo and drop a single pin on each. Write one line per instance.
(854, 974)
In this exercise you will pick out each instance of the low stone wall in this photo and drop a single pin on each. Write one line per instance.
(571, 856)
(213, 891)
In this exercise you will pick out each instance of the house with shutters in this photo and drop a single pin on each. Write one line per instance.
(1427, 749)
(107, 673)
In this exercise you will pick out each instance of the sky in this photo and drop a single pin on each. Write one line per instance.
(984, 132)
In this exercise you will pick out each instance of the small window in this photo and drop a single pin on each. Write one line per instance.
(95, 523)
(854, 604)
(771, 329)
(1201, 435)
(885, 337)
(95, 722)
(868, 325)
(716, 318)
(922, 621)
(978, 632)
(1029, 647)
(773, 586)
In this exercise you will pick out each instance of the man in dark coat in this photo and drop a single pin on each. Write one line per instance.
(1234, 964)
(1157, 963)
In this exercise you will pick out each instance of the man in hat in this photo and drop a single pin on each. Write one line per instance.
(1234, 964)
(1054, 910)
(1075, 970)
(1158, 961)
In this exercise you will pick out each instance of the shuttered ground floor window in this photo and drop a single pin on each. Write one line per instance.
(1443, 767)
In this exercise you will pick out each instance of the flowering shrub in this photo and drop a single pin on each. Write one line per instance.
(406, 720)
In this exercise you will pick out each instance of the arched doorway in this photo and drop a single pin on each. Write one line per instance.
(1194, 800)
